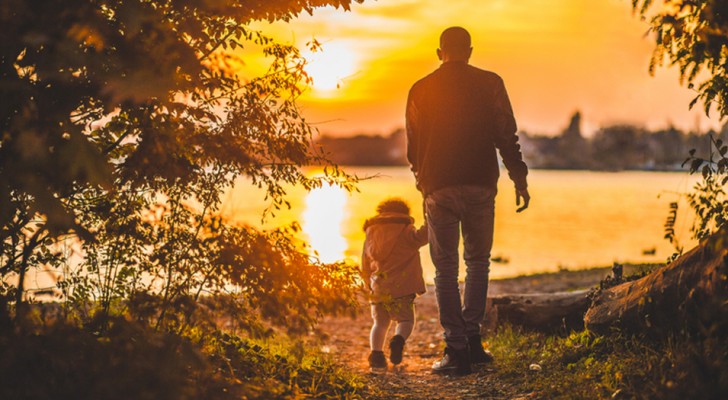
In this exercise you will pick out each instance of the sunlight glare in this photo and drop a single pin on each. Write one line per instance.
(329, 66)
(323, 220)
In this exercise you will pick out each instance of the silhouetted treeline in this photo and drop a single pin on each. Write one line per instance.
(611, 148)
(367, 150)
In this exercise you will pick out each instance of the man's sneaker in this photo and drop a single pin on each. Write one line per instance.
(455, 362)
(478, 355)
(396, 345)
(377, 360)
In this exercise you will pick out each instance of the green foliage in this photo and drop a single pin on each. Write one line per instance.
(290, 372)
(670, 230)
(708, 199)
(177, 251)
(119, 359)
(585, 366)
(123, 123)
(693, 34)
(620, 276)
(161, 69)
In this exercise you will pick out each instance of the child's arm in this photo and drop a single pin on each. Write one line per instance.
(421, 235)
(417, 237)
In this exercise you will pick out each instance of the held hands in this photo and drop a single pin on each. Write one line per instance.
(522, 194)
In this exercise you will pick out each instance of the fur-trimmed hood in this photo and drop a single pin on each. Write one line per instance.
(383, 231)
(389, 218)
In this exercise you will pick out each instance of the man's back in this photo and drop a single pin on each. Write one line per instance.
(456, 117)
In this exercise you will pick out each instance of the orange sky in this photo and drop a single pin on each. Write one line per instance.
(556, 56)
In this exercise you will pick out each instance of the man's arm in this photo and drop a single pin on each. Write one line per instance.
(411, 128)
(506, 140)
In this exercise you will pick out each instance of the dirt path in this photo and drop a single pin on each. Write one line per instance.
(347, 339)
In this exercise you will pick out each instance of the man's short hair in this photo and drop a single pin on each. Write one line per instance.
(393, 205)
(455, 39)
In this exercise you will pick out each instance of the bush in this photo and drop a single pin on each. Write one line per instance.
(116, 358)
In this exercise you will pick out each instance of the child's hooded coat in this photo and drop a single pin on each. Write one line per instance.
(391, 263)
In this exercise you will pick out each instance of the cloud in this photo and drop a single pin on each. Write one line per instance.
(555, 55)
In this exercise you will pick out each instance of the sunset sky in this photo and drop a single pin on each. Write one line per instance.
(555, 56)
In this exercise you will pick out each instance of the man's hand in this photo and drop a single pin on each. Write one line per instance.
(522, 194)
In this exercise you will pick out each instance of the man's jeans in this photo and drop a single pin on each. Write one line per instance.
(472, 209)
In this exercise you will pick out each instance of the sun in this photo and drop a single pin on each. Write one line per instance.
(323, 220)
(329, 66)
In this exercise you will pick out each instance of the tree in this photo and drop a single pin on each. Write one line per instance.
(161, 69)
(688, 295)
(115, 108)
(693, 34)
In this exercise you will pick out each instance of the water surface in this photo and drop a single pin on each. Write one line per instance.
(577, 219)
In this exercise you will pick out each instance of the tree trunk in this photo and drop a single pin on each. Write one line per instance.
(544, 312)
(688, 293)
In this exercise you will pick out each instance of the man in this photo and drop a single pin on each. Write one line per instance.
(456, 119)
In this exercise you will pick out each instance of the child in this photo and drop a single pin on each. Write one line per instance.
(391, 268)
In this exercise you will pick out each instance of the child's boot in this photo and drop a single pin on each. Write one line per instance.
(377, 360)
(396, 346)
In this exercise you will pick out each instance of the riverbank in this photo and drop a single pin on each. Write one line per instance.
(346, 340)
(561, 281)
(98, 357)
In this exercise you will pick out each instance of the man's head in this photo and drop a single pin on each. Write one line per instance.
(454, 45)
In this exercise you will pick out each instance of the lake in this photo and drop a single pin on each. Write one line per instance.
(576, 220)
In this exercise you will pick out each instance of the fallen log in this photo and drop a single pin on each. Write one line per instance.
(672, 298)
(543, 312)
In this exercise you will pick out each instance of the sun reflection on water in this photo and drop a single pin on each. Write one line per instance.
(323, 221)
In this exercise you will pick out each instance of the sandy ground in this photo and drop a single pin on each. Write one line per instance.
(347, 338)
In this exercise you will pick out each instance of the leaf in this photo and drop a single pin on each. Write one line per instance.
(695, 165)
(693, 102)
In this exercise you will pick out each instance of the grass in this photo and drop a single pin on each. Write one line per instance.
(129, 360)
(122, 358)
(582, 365)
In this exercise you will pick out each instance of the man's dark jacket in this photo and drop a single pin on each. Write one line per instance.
(456, 118)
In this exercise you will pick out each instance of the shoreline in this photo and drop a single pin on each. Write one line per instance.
(564, 280)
